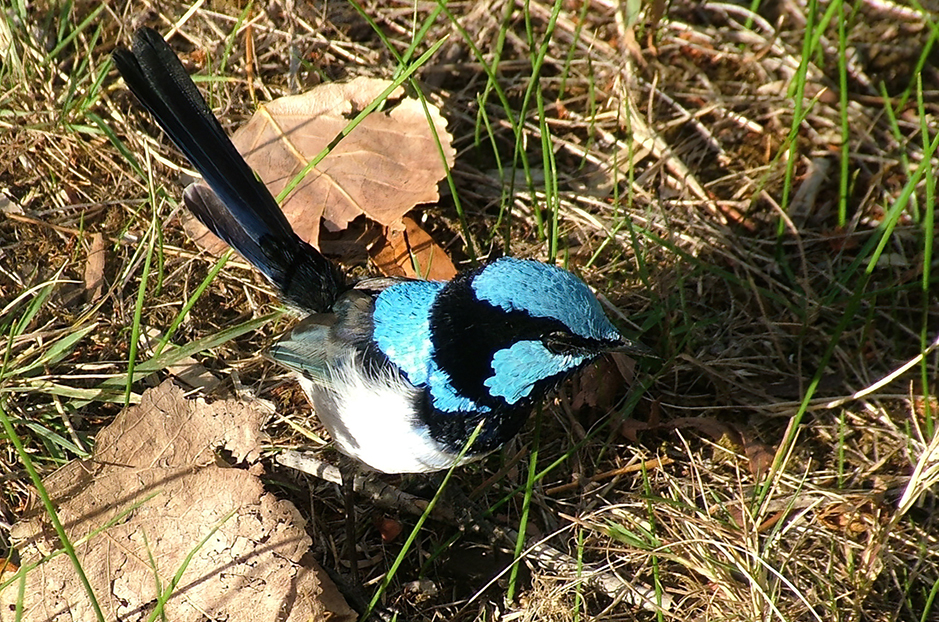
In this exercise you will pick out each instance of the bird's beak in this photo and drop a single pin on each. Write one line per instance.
(634, 348)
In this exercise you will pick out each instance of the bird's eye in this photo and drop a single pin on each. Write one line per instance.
(558, 343)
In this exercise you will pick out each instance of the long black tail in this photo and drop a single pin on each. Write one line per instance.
(241, 211)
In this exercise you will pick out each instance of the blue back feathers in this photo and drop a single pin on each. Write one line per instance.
(544, 291)
(402, 332)
(402, 329)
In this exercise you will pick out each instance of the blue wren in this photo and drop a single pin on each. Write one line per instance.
(399, 371)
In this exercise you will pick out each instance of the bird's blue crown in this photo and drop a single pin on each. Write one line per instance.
(545, 291)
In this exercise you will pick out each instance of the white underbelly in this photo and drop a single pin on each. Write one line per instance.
(373, 421)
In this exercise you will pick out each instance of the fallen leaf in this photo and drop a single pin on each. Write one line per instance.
(7, 205)
(7, 566)
(707, 425)
(187, 369)
(94, 267)
(412, 253)
(728, 438)
(854, 517)
(389, 528)
(598, 386)
(738, 513)
(759, 454)
(148, 497)
(630, 429)
(385, 166)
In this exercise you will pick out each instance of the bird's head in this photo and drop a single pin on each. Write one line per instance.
(505, 333)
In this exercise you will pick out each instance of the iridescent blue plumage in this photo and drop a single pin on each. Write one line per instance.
(401, 372)
(402, 326)
(402, 333)
(518, 368)
(546, 291)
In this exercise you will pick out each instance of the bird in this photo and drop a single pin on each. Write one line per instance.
(401, 372)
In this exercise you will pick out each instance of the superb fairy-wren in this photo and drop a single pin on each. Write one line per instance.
(400, 371)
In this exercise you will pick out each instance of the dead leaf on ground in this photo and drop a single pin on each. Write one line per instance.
(389, 528)
(854, 517)
(630, 429)
(388, 164)
(94, 267)
(154, 476)
(412, 253)
(600, 385)
(187, 370)
(759, 455)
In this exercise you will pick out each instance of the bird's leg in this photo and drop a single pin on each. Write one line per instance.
(347, 469)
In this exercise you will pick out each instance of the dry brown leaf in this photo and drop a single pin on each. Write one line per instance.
(7, 567)
(413, 253)
(707, 425)
(630, 429)
(94, 267)
(854, 517)
(186, 370)
(728, 438)
(388, 164)
(160, 457)
(598, 386)
(389, 528)
(759, 454)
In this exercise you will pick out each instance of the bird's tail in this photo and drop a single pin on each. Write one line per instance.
(240, 209)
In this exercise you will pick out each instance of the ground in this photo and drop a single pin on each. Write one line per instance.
(750, 190)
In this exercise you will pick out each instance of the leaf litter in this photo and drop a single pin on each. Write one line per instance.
(714, 87)
(155, 492)
(388, 164)
(152, 491)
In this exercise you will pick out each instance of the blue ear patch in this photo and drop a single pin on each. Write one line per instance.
(544, 291)
(520, 366)
(402, 332)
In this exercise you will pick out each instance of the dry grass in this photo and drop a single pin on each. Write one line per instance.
(781, 274)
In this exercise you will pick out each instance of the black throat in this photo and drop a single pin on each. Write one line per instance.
(467, 332)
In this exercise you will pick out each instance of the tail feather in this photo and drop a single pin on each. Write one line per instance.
(240, 209)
